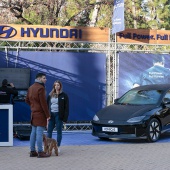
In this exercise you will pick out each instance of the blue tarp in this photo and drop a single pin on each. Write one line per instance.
(83, 76)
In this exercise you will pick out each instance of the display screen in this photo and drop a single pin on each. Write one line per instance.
(20, 77)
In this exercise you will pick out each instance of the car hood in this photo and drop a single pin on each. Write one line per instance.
(123, 112)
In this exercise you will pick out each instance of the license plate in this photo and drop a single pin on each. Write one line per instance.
(110, 129)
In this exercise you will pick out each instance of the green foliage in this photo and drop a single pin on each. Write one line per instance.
(157, 13)
(104, 16)
(152, 14)
(33, 17)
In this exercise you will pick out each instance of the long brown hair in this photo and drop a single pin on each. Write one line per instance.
(53, 91)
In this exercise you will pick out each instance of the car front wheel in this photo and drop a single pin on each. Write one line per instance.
(153, 130)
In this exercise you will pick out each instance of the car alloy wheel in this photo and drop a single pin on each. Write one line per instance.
(153, 130)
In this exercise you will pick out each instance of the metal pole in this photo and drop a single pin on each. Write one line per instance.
(16, 60)
(6, 52)
(108, 96)
(115, 69)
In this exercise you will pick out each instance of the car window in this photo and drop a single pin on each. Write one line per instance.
(140, 97)
(167, 97)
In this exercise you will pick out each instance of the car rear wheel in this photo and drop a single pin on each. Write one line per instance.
(153, 130)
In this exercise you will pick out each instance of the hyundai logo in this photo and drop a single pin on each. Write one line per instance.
(7, 32)
(110, 121)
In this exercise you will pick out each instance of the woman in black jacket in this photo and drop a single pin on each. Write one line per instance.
(58, 103)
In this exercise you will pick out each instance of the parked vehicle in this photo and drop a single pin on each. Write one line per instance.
(142, 112)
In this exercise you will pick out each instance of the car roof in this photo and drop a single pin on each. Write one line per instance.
(164, 87)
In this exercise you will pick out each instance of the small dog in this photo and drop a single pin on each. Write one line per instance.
(49, 145)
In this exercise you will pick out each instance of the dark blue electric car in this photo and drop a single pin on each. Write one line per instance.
(142, 112)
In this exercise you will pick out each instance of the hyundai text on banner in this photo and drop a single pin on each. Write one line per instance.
(118, 16)
(52, 33)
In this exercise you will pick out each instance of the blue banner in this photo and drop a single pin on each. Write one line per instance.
(118, 16)
(137, 69)
(83, 76)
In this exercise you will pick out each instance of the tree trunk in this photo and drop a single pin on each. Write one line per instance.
(134, 14)
(95, 13)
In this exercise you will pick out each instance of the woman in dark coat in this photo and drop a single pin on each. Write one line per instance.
(58, 103)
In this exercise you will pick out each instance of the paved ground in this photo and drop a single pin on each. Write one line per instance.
(81, 151)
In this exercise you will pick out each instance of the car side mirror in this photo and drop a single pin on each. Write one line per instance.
(116, 100)
(166, 101)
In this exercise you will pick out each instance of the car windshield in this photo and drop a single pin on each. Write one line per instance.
(140, 97)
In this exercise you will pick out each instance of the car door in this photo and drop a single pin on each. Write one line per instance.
(165, 113)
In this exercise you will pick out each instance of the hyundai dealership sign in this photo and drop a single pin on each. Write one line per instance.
(53, 33)
(12, 32)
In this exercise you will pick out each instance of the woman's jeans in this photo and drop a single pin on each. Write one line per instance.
(55, 120)
(37, 136)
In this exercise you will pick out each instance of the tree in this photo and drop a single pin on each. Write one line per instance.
(157, 13)
(134, 17)
(34, 11)
(56, 12)
(96, 13)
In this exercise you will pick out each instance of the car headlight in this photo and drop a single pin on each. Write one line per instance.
(135, 119)
(95, 118)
